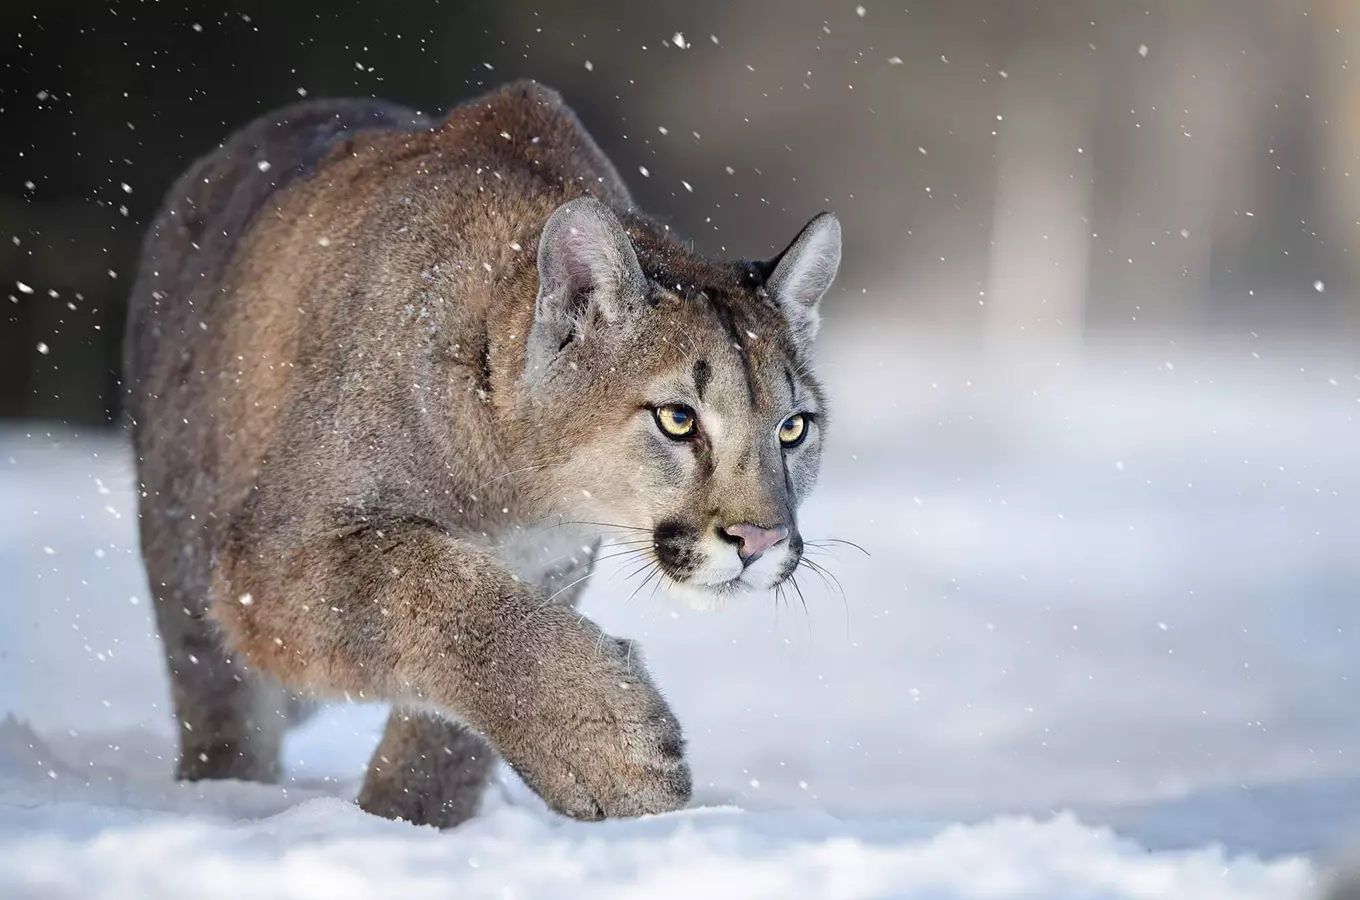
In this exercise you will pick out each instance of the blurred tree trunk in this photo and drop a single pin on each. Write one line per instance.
(1170, 136)
(1340, 90)
(1038, 273)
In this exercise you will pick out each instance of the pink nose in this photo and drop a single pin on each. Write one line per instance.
(755, 540)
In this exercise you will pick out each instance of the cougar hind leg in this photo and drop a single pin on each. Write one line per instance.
(427, 771)
(230, 721)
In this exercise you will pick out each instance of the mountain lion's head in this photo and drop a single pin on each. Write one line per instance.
(671, 396)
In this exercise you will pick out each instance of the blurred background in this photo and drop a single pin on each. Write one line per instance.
(1094, 359)
(1028, 175)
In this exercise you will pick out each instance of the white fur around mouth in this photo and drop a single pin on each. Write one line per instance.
(723, 577)
(709, 597)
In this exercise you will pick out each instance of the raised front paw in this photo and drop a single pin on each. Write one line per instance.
(604, 744)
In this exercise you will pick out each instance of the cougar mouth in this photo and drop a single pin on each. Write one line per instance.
(705, 575)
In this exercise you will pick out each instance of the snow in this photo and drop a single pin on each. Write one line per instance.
(1103, 648)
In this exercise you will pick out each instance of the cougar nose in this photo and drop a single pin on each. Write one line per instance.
(753, 540)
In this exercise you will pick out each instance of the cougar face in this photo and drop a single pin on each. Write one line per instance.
(728, 443)
(706, 424)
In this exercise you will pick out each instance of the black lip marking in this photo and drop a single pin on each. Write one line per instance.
(795, 556)
(674, 543)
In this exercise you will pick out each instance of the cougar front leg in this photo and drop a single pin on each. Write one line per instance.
(407, 613)
(430, 771)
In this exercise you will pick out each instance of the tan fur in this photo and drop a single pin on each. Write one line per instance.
(354, 483)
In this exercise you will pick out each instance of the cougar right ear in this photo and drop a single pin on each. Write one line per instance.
(586, 265)
(803, 273)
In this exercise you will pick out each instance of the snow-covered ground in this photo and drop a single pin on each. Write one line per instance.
(1105, 647)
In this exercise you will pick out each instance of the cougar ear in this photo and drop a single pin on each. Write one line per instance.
(804, 272)
(586, 264)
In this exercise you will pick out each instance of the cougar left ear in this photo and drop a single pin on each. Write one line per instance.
(586, 266)
(803, 273)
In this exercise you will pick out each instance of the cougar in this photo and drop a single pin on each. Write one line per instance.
(391, 381)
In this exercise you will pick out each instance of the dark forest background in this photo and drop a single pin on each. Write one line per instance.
(1005, 171)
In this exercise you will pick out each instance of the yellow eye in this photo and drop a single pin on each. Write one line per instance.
(793, 430)
(676, 421)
